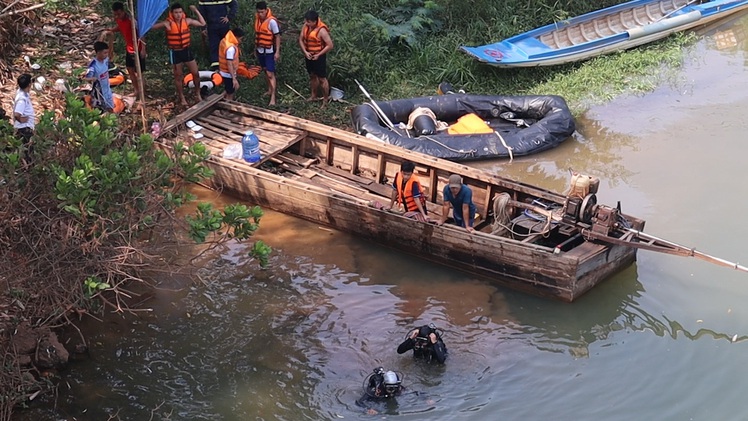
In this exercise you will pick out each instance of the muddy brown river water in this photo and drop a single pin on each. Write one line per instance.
(666, 339)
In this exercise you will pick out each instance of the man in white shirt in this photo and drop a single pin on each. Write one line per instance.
(23, 112)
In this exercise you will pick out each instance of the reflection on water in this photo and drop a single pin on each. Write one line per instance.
(661, 340)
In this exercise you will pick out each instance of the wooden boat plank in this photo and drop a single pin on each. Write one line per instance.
(270, 138)
(263, 127)
(210, 132)
(192, 112)
(297, 159)
(269, 145)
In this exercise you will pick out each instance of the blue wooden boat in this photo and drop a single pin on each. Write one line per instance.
(604, 31)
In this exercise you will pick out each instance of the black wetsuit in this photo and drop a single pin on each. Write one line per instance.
(429, 352)
(375, 391)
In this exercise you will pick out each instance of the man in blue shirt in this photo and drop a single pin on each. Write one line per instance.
(460, 197)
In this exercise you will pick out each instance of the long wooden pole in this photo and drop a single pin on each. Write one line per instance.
(136, 43)
(651, 242)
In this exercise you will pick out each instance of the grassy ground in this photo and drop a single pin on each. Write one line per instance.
(405, 48)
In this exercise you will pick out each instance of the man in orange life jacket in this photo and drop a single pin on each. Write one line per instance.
(267, 45)
(228, 60)
(177, 27)
(407, 190)
(124, 26)
(315, 43)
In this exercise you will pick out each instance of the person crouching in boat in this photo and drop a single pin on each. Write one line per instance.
(177, 27)
(408, 192)
(228, 60)
(460, 197)
(426, 343)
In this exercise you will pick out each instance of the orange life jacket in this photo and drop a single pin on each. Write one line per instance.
(263, 34)
(312, 41)
(405, 194)
(178, 34)
(227, 42)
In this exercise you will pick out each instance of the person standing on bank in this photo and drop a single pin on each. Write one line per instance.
(177, 27)
(407, 191)
(218, 17)
(315, 43)
(24, 118)
(124, 27)
(460, 197)
(228, 58)
(267, 45)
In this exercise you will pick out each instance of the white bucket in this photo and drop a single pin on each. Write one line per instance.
(336, 94)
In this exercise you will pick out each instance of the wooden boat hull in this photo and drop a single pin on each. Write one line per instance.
(334, 176)
(616, 28)
(547, 118)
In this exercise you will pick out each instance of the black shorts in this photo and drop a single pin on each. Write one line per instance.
(181, 56)
(24, 134)
(228, 84)
(130, 61)
(317, 67)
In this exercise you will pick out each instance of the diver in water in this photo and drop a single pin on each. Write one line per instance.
(426, 343)
(381, 385)
(380, 389)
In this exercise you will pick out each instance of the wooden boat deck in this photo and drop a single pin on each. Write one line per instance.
(222, 127)
(610, 24)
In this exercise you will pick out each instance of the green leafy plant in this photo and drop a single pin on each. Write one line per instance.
(406, 23)
(92, 285)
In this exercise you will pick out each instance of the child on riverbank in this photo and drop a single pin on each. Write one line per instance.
(98, 75)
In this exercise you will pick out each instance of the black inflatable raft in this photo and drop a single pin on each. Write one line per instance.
(526, 124)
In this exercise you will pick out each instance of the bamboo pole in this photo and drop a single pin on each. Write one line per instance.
(15, 12)
(136, 46)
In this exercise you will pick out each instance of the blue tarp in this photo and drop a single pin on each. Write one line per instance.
(148, 13)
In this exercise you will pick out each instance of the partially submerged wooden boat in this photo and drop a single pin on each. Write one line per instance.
(549, 245)
(615, 28)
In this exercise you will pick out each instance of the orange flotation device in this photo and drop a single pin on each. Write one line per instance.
(119, 104)
(116, 77)
(469, 124)
(208, 79)
(250, 72)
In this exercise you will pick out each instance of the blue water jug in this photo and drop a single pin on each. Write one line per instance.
(251, 147)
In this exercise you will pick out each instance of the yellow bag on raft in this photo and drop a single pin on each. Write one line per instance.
(469, 124)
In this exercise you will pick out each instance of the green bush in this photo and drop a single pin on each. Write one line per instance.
(86, 196)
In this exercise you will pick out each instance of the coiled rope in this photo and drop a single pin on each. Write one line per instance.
(502, 216)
